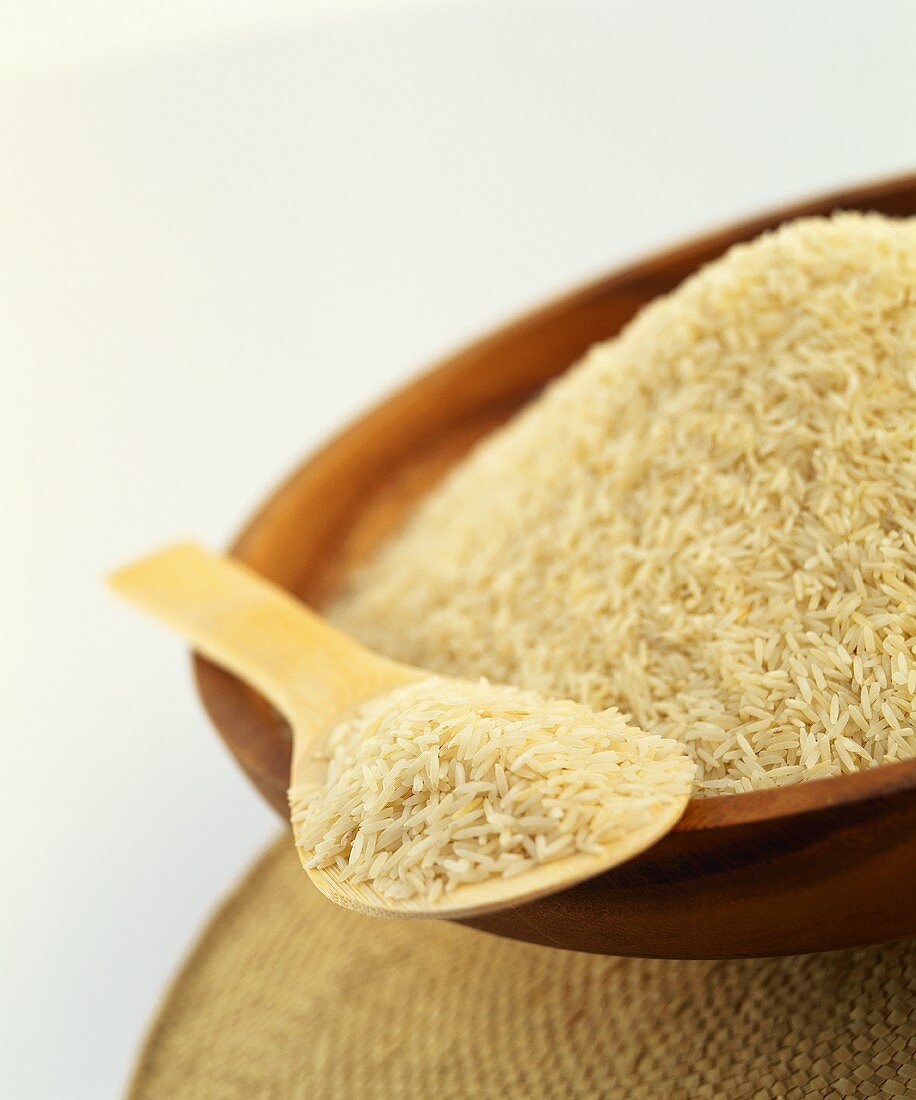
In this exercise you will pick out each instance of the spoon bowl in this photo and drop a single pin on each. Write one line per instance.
(818, 866)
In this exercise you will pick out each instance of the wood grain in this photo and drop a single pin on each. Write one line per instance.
(822, 865)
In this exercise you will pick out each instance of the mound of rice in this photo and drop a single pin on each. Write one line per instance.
(440, 783)
(709, 523)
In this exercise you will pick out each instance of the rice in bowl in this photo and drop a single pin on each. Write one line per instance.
(709, 523)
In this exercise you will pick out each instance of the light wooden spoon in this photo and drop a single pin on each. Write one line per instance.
(316, 675)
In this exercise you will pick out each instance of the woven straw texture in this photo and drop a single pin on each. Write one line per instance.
(288, 997)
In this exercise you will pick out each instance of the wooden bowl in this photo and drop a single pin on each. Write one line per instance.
(813, 867)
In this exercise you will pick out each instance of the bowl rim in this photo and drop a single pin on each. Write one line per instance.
(723, 811)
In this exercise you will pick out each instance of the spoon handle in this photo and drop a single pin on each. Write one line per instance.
(307, 668)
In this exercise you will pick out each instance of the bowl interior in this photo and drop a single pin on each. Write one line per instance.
(337, 507)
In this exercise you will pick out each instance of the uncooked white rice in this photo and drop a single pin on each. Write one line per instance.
(710, 522)
(440, 783)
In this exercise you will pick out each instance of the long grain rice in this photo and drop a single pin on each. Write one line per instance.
(442, 783)
(709, 523)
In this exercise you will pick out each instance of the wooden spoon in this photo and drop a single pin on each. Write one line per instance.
(316, 675)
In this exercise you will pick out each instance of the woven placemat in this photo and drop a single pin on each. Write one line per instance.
(286, 996)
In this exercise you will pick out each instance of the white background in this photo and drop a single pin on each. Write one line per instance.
(224, 228)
